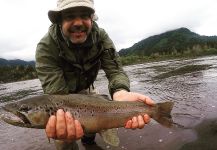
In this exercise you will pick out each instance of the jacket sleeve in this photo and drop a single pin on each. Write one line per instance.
(111, 64)
(48, 68)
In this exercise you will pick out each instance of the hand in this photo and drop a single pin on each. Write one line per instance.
(137, 121)
(63, 127)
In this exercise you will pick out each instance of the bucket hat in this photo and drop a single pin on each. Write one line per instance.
(54, 15)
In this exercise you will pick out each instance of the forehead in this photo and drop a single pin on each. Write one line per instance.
(76, 10)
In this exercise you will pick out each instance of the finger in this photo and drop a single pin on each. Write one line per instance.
(146, 99)
(128, 124)
(135, 123)
(149, 101)
(70, 126)
(141, 122)
(78, 129)
(51, 127)
(61, 125)
(146, 118)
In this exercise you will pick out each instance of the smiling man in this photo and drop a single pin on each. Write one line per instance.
(68, 59)
(77, 24)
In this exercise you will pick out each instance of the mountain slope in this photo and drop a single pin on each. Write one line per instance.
(175, 41)
(15, 62)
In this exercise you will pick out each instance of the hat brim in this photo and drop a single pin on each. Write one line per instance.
(55, 14)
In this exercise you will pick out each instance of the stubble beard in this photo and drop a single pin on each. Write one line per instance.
(75, 39)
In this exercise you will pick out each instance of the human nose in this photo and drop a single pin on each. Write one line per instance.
(77, 21)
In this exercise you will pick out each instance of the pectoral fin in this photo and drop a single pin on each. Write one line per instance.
(110, 136)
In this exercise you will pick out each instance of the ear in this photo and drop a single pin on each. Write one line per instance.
(94, 17)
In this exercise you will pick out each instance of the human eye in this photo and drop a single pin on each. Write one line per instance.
(85, 16)
(69, 17)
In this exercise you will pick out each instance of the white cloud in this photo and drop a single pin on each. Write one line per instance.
(24, 22)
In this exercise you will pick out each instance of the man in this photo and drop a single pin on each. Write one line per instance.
(68, 59)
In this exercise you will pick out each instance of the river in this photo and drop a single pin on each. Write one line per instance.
(191, 84)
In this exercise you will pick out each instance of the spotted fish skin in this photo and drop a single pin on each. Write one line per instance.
(95, 112)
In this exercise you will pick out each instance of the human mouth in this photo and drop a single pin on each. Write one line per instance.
(78, 34)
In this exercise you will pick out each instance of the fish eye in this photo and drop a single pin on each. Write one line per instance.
(24, 108)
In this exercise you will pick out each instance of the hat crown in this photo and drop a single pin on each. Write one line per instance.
(54, 14)
(64, 3)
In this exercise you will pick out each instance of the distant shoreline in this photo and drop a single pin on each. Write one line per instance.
(22, 73)
(17, 73)
(135, 59)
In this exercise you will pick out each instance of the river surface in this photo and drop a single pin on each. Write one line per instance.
(191, 84)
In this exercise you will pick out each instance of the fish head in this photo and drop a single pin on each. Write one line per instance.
(30, 113)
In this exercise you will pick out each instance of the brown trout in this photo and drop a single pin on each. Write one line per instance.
(95, 112)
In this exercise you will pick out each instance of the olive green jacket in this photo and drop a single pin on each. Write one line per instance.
(64, 67)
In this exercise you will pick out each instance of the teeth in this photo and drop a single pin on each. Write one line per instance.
(77, 31)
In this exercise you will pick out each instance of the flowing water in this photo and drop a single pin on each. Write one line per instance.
(191, 84)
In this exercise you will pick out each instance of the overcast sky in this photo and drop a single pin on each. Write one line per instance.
(24, 22)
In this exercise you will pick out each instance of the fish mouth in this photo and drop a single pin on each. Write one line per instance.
(16, 118)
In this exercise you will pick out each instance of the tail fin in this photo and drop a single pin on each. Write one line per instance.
(163, 115)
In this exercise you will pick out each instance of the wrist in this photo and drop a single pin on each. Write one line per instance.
(119, 93)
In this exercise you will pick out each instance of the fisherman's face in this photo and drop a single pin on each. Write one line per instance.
(76, 24)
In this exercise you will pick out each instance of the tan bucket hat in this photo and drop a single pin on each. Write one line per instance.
(54, 15)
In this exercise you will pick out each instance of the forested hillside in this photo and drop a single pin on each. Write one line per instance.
(177, 41)
(15, 62)
(17, 73)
